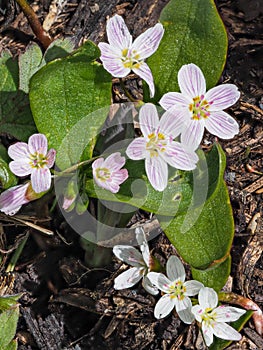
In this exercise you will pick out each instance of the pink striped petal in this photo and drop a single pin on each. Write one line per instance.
(145, 73)
(191, 80)
(173, 122)
(37, 143)
(128, 278)
(129, 255)
(222, 96)
(137, 149)
(147, 43)
(118, 33)
(97, 163)
(51, 156)
(20, 167)
(120, 176)
(111, 60)
(114, 161)
(192, 136)
(175, 99)
(179, 157)
(148, 119)
(157, 172)
(222, 125)
(18, 150)
(175, 269)
(41, 179)
(12, 199)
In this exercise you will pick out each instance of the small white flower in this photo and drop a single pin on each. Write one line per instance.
(121, 55)
(176, 290)
(213, 318)
(140, 263)
(196, 109)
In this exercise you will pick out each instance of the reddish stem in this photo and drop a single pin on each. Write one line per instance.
(35, 24)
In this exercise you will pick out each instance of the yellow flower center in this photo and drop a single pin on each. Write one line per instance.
(130, 59)
(156, 144)
(103, 174)
(38, 160)
(199, 108)
(177, 290)
(209, 316)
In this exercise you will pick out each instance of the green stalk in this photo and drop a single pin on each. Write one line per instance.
(35, 24)
(16, 255)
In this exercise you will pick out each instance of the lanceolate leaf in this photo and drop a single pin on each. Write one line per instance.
(66, 90)
(8, 323)
(194, 33)
(7, 178)
(15, 115)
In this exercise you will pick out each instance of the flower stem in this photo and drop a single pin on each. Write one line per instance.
(35, 24)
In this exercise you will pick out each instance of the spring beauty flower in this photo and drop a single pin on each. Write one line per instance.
(176, 291)
(140, 263)
(195, 109)
(121, 55)
(12, 199)
(35, 159)
(158, 148)
(108, 173)
(213, 318)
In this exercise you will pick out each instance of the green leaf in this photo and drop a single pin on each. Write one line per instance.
(8, 301)
(15, 115)
(204, 234)
(7, 178)
(12, 345)
(220, 344)
(8, 323)
(3, 153)
(29, 63)
(194, 33)
(58, 49)
(66, 90)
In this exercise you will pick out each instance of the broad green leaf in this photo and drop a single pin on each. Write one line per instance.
(66, 90)
(194, 33)
(8, 301)
(7, 178)
(12, 345)
(58, 49)
(220, 344)
(8, 323)
(204, 234)
(29, 63)
(15, 115)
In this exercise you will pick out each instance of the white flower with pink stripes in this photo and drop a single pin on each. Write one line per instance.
(122, 55)
(195, 109)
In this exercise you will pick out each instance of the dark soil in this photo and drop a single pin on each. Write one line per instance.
(66, 305)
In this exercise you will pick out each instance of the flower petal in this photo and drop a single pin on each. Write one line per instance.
(172, 122)
(192, 135)
(228, 313)
(114, 161)
(51, 156)
(175, 99)
(222, 96)
(207, 333)
(207, 298)
(224, 331)
(159, 280)
(137, 149)
(148, 286)
(192, 287)
(157, 172)
(148, 119)
(118, 33)
(197, 311)
(222, 125)
(182, 304)
(191, 81)
(145, 73)
(120, 176)
(37, 143)
(12, 199)
(41, 179)
(179, 157)
(20, 167)
(141, 239)
(163, 307)
(175, 269)
(129, 255)
(111, 60)
(128, 278)
(186, 315)
(18, 150)
(147, 43)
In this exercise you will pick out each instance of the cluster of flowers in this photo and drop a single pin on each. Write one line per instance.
(186, 114)
(176, 292)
